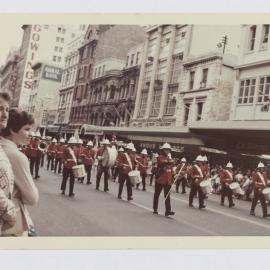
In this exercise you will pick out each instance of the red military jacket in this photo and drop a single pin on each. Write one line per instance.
(118, 159)
(142, 164)
(59, 150)
(88, 157)
(79, 153)
(33, 151)
(99, 154)
(206, 170)
(260, 180)
(196, 173)
(164, 173)
(125, 165)
(226, 177)
(51, 150)
(68, 159)
(183, 168)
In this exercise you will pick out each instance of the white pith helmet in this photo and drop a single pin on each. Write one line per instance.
(166, 146)
(90, 143)
(62, 140)
(229, 165)
(54, 140)
(121, 149)
(144, 152)
(260, 165)
(72, 140)
(130, 146)
(183, 159)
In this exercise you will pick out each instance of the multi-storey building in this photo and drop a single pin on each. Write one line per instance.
(40, 43)
(206, 87)
(101, 42)
(165, 51)
(68, 79)
(9, 72)
(252, 85)
(44, 92)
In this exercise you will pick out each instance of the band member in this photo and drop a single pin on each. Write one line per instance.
(260, 181)
(181, 171)
(69, 160)
(59, 150)
(35, 155)
(142, 166)
(117, 164)
(197, 176)
(88, 160)
(127, 164)
(103, 157)
(79, 153)
(226, 178)
(43, 153)
(164, 179)
(51, 154)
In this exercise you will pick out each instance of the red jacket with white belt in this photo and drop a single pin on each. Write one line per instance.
(68, 160)
(164, 175)
(260, 181)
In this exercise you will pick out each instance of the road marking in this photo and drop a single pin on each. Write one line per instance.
(181, 221)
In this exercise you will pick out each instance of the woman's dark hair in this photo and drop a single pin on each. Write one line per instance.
(16, 120)
(5, 96)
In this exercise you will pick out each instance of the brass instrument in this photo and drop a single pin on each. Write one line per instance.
(42, 147)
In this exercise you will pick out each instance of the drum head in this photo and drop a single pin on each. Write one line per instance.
(266, 191)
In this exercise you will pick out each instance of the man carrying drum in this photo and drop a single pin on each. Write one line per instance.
(142, 166)
(103, 157)
(197, 176)
(88, 160)
(260, 182)
(127, 163)
(164, 179)
(59, 149)
(79, 153)
(226, 177)
(181, 169)
(69, 161)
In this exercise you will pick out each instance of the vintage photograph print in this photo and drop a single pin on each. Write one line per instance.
(134, 130)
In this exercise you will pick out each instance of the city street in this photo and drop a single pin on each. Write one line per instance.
(96, 213)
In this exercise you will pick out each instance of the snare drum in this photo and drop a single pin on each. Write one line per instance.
(206, 186)
(266, 193)
(79, 171)
(236, 189)
(135, 177)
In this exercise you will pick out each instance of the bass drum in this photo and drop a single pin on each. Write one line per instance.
(109, 157)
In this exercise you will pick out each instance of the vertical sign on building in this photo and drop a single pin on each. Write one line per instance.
(28, 75)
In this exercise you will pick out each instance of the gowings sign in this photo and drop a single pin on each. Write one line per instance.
(52, 73)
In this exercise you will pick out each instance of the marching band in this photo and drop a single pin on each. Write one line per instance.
(135, 169)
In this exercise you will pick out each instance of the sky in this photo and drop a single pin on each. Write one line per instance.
(11, 36)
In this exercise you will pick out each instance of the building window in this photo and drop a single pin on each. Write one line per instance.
(191, 79)
(132, 59)
(103, 70)
(59, 29)
(264, 89)
(112, 92)
(176, 68)
(199, 110)
(62, 40)
(247, 91)
(186, 115)
(54, 58)
(59, 59)
(204, 77)
(60, 49)
(252, 37)
(137, 58)
(57, 39)
(56, 48)
(156, 103)
(147, 76)
(143, 103)
(63, 30)
(171, 101)
(161, 71)
(265, 34)
(127, 61)
(46, 26)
